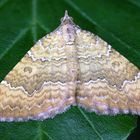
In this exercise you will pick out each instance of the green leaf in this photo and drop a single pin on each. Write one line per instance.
(74, 124)
(22, 23)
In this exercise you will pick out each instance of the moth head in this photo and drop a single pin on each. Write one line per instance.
(67, 19)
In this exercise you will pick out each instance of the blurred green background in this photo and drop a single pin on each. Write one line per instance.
(23, 22)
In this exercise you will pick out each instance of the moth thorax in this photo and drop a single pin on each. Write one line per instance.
(68, 33)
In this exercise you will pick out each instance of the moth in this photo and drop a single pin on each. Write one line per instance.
(69, 66)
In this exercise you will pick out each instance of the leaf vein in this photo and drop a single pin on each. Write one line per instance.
(34, 20)
(90, 123)
(41, 131)
(47, 135)
(3, 3)
(43, 27)
(22, 32)
(134, 3)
